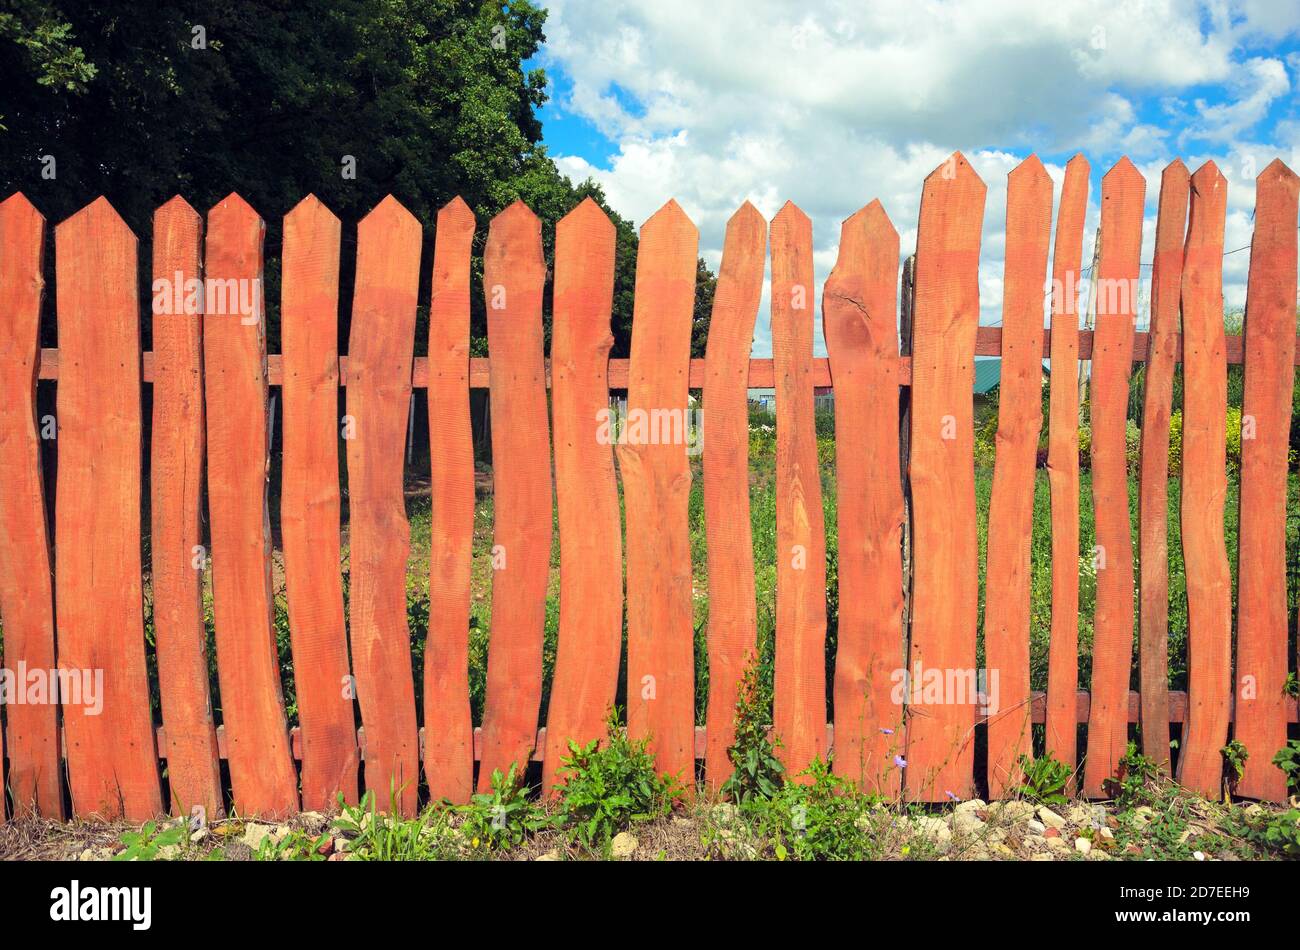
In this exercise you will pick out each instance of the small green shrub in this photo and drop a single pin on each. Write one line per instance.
(611, 785)
(757, 772)
(145, 844)
(1136, 781)
(373, 836)
(1278, 834)
(297, 845)
(1234, 755)
(1288, 760)
(503, 817)
(1045, 779)
(823, 819)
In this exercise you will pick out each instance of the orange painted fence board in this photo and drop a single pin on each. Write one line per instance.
(513, 274)
(859, 307)
(448, 722)
(262, 775)
(1122, 193)
(733, 612)
(380, 348)
(1205, 486)
(656, 490)
(591, 543)
(1153, 498)
(799, 700)
(1061, 725)
(112, 754)
(1011, 506)
(176, 496)
(941, 734)
(311, 504)
(1266, 415)
(35, 777)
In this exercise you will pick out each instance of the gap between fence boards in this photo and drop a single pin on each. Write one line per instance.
(762, 375)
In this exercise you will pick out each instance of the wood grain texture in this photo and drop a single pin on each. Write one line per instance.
(1123, 191)
(311, 505)
(513, 274)
(448, 722)
(859, 314)
(112, 755)
(591, 543)
(940, 735)
(1153, 491)
(1266, 415)
(262, 776)
(733, 614)
(1061, 724)
(176, 495)
(35, 775)
(1205, 486)
(799, 700)
(380, 349)
(1011, 505)
(656, 491)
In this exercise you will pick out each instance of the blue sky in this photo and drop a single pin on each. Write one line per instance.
(831, 104)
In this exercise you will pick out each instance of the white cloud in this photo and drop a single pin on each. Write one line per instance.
(1258, 82)
(832, 103)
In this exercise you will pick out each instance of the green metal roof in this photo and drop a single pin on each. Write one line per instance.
(988, 373)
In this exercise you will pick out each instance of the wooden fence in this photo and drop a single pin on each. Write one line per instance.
(76, 604)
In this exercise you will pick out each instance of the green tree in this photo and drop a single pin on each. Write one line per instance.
(430, 98)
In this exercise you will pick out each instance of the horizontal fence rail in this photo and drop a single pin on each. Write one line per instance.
(761, 374)
(903, 681)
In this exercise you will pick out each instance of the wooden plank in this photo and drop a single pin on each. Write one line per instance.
(799, 700)
(1153, 492)
(176, 494)
(380, 348)
(1205, 486)
(733, 612)
(1061, 727)
(1011, 505)
(1122, 193)
(449, 726)
(858, 314)
(311, 506)
(656, 492)
(591, 592)
(112, 758)
(1266, 417)
(513, 274)
(262, 775)
(35, 776)
(945, 589)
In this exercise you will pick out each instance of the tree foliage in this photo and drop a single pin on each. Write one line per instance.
(431, 98)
